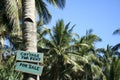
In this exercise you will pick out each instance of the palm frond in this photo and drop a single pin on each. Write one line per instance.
(3, 29)
(78, 58)
(117, 31)
(44, 14)
(57, 3)
(11, 15)
(116, 69)
(62, 35)
(116, 47)
(97, 71)
(19, 5)
(76, 66)
(8, 72)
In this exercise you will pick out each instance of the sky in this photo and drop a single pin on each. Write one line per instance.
(103, 16)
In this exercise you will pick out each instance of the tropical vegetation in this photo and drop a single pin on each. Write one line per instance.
(67, 55)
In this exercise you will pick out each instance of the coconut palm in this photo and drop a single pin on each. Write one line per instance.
(75, 55)
(106, 57)
(29, 20)
(29, 23)
(110, 60)
(9, 20)
(115, 67)
(11, 17)
(58, 62)
(92, 65)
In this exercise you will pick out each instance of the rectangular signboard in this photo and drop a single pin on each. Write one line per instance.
(29, 68)
(29, 56)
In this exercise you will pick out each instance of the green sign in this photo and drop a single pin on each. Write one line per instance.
(29, 68)
(29, 56)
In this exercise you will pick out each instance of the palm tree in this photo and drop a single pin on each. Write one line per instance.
(115, 62)
(29, 26)
(29, 23)
(115, 67)
(9, 20)
(59, 64)
(11, 16)
(89, 60)
(70, 60)
(110, 60)
(106, 58)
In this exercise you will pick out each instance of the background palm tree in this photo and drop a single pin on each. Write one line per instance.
(89, 60)
(74, 60)
(58, 64)
(110, 60)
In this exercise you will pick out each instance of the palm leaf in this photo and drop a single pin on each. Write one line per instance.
(116, 47)
(117, 31)
(44, 15)
(11, 16)
(76, 66)
(57, 3)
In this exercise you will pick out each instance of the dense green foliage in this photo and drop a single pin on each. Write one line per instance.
(7, 69)
(67, 56)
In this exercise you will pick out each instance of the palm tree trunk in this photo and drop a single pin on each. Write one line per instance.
(29, 30)
(29, 26)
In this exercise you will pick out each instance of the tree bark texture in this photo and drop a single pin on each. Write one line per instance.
(29, 31)
(29, 26)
